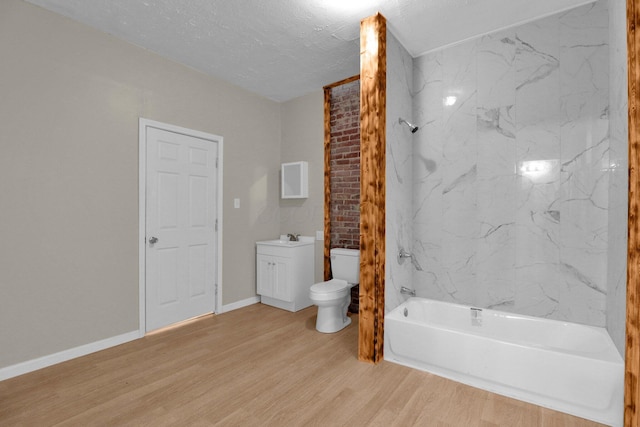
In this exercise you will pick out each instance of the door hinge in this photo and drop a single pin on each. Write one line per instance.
(217, 162)
(216, 226)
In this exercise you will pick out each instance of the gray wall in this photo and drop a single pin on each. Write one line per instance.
(303, 140)
(69, 107)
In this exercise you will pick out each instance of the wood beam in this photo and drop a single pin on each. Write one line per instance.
(373, 33)
(327, 182)
(342, 82)
(632, 351)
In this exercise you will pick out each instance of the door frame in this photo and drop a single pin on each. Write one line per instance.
(143, 124)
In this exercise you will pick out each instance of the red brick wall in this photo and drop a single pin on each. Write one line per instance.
(345, 166)
(345, 171)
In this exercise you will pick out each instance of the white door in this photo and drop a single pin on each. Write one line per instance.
(180, 227)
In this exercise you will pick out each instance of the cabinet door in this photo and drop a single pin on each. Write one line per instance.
(281, 283)
(264, 276)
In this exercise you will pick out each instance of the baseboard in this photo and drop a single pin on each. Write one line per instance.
(63, 356)
(239, 304)
(83, 350)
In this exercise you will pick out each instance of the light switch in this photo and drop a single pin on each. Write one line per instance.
(319, 235)
(236, 203)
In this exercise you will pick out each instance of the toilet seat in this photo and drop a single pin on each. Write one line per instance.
(331, 289)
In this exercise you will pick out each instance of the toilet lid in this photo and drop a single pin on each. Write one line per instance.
(333, 285)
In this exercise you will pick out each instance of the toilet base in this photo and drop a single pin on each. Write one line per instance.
(333, 318)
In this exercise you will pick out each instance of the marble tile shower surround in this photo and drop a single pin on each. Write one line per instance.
(618, 176)
(398, 165)
(511, 173)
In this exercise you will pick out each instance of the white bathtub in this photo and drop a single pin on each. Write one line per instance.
(564, 366)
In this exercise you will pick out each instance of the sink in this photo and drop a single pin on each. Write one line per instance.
(285, 243)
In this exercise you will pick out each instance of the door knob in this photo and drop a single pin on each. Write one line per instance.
(153, 240)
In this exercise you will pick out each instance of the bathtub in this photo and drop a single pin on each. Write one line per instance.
(563, 366)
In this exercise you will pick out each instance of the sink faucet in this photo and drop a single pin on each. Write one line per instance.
(293, 237)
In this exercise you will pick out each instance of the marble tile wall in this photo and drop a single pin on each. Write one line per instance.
(511, 169)
(618, 175)
(398, 272)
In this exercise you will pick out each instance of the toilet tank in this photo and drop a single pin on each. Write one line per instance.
(345, 265)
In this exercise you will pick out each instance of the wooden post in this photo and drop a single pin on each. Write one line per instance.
(632, 351)
(373, 33)
(327, 182)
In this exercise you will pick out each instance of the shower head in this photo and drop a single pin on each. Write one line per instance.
(413, 128)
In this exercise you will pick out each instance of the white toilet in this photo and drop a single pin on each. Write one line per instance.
(333, 297)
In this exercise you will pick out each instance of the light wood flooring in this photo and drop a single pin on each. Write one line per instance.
(257, 366)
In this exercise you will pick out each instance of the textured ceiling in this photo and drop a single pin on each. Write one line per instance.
(283, 49)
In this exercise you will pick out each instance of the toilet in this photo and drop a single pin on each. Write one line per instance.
(333, 296)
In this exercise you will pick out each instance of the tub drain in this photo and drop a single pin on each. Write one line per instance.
(406, 312)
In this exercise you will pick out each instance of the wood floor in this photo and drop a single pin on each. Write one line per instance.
(257, 366)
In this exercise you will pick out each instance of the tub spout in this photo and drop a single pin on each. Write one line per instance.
(407, 291)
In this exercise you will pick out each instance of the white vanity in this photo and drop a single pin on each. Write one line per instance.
(285, 272)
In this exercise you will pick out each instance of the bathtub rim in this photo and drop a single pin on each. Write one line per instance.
(611, 356)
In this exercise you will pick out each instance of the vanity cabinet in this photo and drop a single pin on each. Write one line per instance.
(272, 277)
(285, 273)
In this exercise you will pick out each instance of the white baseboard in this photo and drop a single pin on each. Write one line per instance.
(63, 356)
(83, 350)
(239, 304)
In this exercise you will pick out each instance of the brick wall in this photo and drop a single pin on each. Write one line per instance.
(345, 171)
(345, 166)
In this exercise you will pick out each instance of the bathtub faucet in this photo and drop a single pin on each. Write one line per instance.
(407, 291)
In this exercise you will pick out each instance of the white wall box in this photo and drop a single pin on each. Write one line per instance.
(285, 273)
(295, 180)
